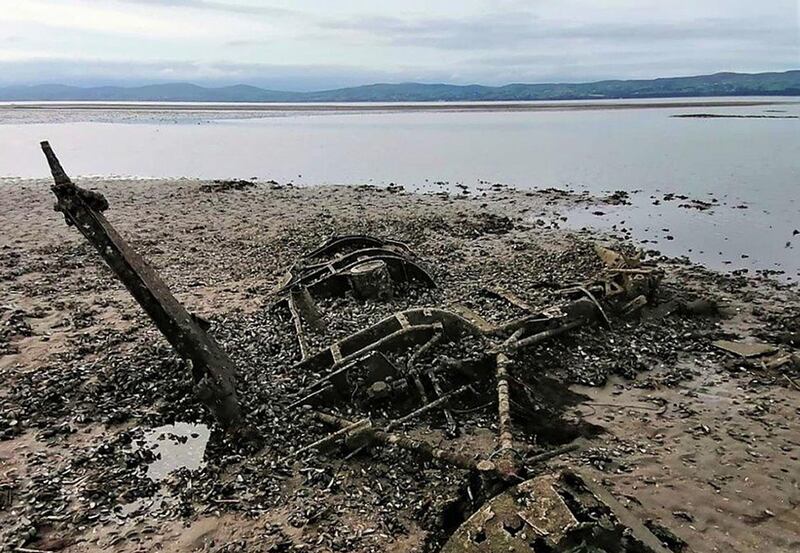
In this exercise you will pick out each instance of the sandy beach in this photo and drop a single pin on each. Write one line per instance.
(683, 434)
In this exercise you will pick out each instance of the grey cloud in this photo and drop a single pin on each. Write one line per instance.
(513, 29)
(447, 33)
(240, 8)
(246, 42)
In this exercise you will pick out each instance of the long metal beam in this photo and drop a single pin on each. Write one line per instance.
(213, 371)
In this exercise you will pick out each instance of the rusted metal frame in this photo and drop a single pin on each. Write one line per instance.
(374, 367)
(624, 284)
(213, 370)
(327, 440)
(441, 400)
(585, 291)
(510, 297)
(514, 342)
(423, 449)
(323, 275)
(298, 328)
(399, 267)
(585, 490)
(312, 395)
(413, 372)
(355, 342)
(576, 314)
(307, 308)
(474, 319)
(423, 394)
(549, 513)
(452, 426)
(394, 339)
(507, 455)
(514, 338)
(544, 320)
(420, 352)
(505, 433)
(363, 340)
(337, 243)
(529, 323)
(330, 377)
(437, 387)
(397, 330)
(547, 455)
(312, 270)
(545, 335)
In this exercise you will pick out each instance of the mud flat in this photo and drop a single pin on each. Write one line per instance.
(683, 433)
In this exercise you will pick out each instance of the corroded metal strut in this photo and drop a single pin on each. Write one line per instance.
(213, 371)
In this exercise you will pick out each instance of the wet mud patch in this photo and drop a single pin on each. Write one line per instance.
(539, 408)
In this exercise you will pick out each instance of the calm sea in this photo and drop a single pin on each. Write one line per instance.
(747, 168)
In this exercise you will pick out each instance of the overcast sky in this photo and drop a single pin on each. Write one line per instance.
(315, 44)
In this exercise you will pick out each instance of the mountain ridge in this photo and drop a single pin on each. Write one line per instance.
(785, 83)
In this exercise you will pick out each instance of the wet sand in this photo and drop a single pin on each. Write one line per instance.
(699, 443)
(720, 191)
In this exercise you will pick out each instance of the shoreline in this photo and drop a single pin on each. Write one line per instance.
(359, 107)
(565, 209)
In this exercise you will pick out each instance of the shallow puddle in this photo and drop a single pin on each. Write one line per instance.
(726, 237)
(179, 445)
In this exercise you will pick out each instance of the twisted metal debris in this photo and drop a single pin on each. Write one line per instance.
(358, 369)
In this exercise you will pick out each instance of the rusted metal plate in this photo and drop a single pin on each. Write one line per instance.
(745, 349)
(549, 513)
(324, 271)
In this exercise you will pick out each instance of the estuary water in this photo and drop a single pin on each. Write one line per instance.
(740, 156)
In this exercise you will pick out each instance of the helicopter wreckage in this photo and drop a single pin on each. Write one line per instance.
(400, 365)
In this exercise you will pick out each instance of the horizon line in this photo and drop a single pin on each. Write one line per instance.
(391, 83)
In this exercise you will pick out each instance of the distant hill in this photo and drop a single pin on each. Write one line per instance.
(719, 84)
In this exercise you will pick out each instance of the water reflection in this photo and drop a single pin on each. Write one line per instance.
(739, 162)
(179, 445)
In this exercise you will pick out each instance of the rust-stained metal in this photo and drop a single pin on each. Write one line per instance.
(337, 244)
(545, 335)
(452, 426)
(327, 440)
(506, 454)
(297, 321)
(441, 400)
(549, 513)
(414, 326)
(508, 296)
(213, 371)
(425, 328)
(326, 271)
(419, 447)
(307, 309)
(370, 280)
(413, 372)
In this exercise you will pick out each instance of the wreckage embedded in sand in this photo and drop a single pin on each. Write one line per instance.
(380, 365)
